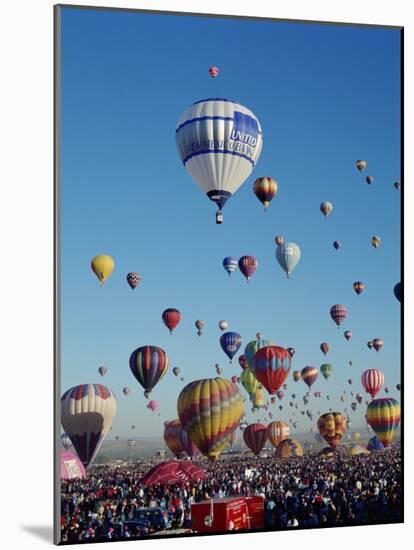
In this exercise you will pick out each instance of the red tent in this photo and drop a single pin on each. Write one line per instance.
(173, 471)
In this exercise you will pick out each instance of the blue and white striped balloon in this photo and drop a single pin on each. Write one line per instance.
(288, 255)
(219, 142)
(230, 265)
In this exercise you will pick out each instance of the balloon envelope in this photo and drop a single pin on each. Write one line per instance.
(288, 256)
(71, 467)
(102, 266)
(383, 415)
(255, 437)
(272, 367)
(148, 364)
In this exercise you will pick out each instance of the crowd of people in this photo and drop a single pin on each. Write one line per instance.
(312, 491)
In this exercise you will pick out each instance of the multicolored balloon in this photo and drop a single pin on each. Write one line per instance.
(348, 335)
(103, 267)
(255, 437)
(277, 431)
(249, 381)
(210, 410)
(338, 313)
(265, 190)
(213, 71)
(243, 362)
(361, 165)
(272, 367)
(248, 266)
(87, 412)
(309, 375)
(279, 240)
(133, 279)
(375, 241)
(372, 381)
(148, 364)
(251, 349)
(230, 343)
(202, 147)
(383, 415)
(377, 344)
(172, 437)
(258, 398)
(296, 375)
(230, 265)
(102, 371)
(171, 318)
(326, 370)
(332, 427)
(289, 448)
(358, 287)
(288, 256)
(326, 208)
(187, 444)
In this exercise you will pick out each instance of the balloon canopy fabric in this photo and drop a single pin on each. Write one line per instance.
(148, 364)
(171, 472)
(374, 444)
(372, 380)
(361, 165)
(102, 266)
(209, 411)
(172, 437)
(255, 437)
(248, 266)
(230, 265)
(272, 367)
(326, 370)
(288, 256)
(326, 208)
(338, 313)
(171, 318)
(187, 444)
(219, 142)
(383, 415)
(66, 442)
(397, 291)
(213, 71)
(309, 375)
(87, 412)
(71, 467)
(289, 448)
(230, 343)
(277, 431)
(265, 190)
(258, 398)
(251, 349)
(133, 279)
(249, 381)
(332, 427)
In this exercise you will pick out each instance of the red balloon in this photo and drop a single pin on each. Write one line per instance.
(171, 318)
(255, 437)
(272, 366)
(372, 380)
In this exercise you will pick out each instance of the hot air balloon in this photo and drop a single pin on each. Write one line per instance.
(348, 424)
(102, 371)
(223, 325)
(148, 364)
(375, 241)
(210, 410)
(152, 405)
(133, 279)
(354, 406)
(207, 149)
(372, 380)
(265, 190)
(326, 208)
(132, 427)
(277, 432)
(199, 326)
(126, 391)
(386, 390)
(176, 371)
(326, 370)
(348, 335)
(377, 344)
(296, 375)
(288, 256)
(358, 287)
(369, 344)
(289, 448)
(171, 318)
(234, 379)
(249, 381)
(279, 240)
(350, 382)
(257, 398)
(332, 427)
(383, 415)
(102, 266)
(398, 386)
(87, 412)
(397, 291)
(230, 343)
(337, 245)
(272, 367)
(397, 185)
(172, 437)
(374, 444)
(230, 265)
(280, 394)
(291, 351)
(248, 266)
(213, 71)
(309, 375)
(324, 347)
(338, 313)
(243, 362)
(361, 165)
(219, 370)
(369, 179)
(358, 397)
(255, 437)
(251, 349)
(66, 442)
(187, 444)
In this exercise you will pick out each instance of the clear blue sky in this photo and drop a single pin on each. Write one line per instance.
(325, 96)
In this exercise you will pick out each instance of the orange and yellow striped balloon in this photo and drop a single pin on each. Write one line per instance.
(277, 431)
(332, 427)
(265, 190)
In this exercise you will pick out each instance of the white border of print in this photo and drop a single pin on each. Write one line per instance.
(26, 295)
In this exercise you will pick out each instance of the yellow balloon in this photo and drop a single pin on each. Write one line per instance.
(102, 266)
(258, 398)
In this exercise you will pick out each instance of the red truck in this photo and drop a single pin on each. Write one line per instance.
(227, 514)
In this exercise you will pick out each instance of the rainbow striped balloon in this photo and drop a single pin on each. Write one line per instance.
(383, 415)
(309, 375)
(210, 410)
